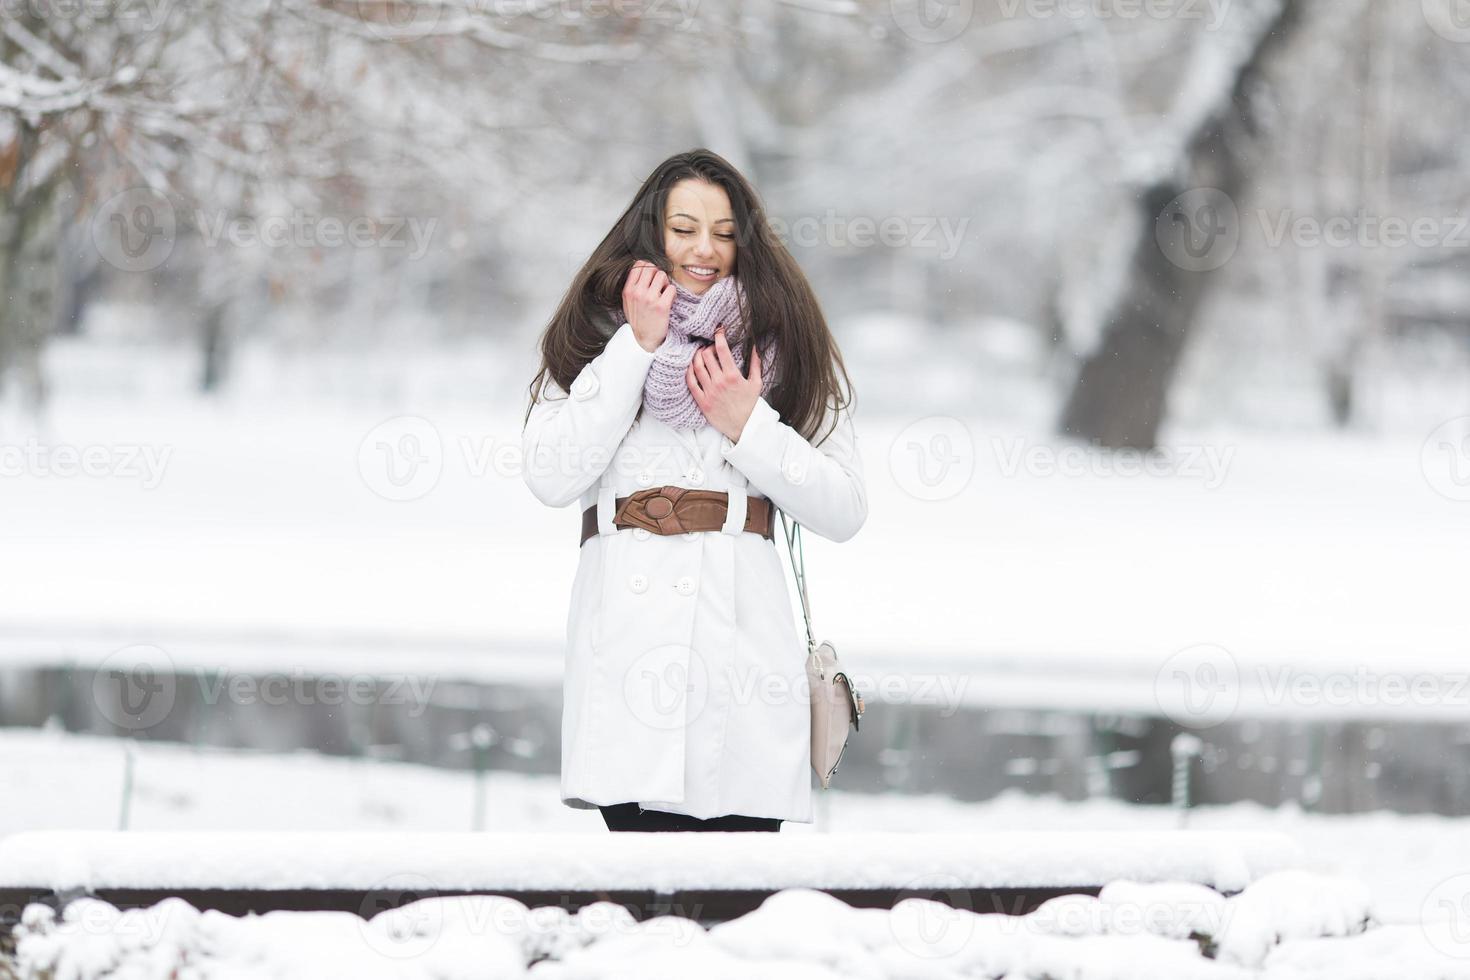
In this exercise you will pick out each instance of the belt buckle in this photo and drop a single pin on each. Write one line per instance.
(655, 509)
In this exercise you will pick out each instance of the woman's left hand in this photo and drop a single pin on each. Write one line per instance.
(723, 394)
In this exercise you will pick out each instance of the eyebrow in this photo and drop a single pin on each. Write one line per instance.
(681, 214)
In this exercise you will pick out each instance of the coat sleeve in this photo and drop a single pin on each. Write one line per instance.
(821, 487)
(569, 440)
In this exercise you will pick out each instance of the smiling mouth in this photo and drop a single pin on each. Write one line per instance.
(701, 271)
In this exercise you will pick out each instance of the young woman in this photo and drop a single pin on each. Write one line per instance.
(688, 388)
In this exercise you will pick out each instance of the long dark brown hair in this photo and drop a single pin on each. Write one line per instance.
(779, 300)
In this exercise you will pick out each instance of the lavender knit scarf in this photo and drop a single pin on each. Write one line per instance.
(692, 323)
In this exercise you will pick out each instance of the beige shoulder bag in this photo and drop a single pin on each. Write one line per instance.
(836, 706)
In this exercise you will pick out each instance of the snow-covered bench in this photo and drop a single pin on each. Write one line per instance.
(705, 876)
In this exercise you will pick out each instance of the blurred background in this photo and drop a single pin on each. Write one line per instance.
(1157, 314)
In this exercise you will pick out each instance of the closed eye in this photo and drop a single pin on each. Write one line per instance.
(690, 231)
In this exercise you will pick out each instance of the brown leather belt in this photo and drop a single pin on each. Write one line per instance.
(674, 510)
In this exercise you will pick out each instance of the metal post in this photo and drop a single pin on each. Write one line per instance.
(1185, 748)
(127, 787)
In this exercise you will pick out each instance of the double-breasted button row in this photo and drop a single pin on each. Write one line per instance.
(694, 476)
(686, 585)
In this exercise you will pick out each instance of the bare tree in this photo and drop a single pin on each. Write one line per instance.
(124, 117)
(1120, 394)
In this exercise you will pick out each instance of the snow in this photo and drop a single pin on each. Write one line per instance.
(64, 859)
(1134, 929)
(1172, 910)
(795, 933)
(1291, 904)
(1434, 951)
(55, 780)
(1036, 585)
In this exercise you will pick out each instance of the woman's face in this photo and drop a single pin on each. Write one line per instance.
(699, 234)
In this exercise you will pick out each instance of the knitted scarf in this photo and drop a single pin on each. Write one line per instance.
(692, 323)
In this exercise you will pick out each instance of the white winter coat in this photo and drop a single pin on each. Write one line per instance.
(684, 686)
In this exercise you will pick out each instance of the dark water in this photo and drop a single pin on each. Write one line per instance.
(1329, 766)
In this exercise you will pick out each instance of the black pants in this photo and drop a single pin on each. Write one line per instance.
(628, 816)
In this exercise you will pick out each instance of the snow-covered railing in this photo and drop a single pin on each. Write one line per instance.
(716, 875)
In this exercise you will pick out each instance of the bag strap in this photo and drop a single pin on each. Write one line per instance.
(798, 569)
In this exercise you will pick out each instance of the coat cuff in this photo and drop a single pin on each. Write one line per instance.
(622, 367)
(760, 439)
(626, 351)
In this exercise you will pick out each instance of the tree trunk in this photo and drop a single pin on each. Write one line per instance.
(1120, 396)
(29, 279)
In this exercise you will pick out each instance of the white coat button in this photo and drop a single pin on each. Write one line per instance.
(642, 533)
(645, 478)
(685, 585)
(795, 472)
(691, 535)
(696, 476)
(638, 582)
(585, 386)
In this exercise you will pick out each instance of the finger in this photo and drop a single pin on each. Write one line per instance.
(694, 387)
(701, 369)
(724, 357)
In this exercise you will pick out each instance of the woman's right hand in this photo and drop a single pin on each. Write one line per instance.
(648, 295)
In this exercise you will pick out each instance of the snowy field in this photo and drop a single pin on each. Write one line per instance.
(386, 506)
